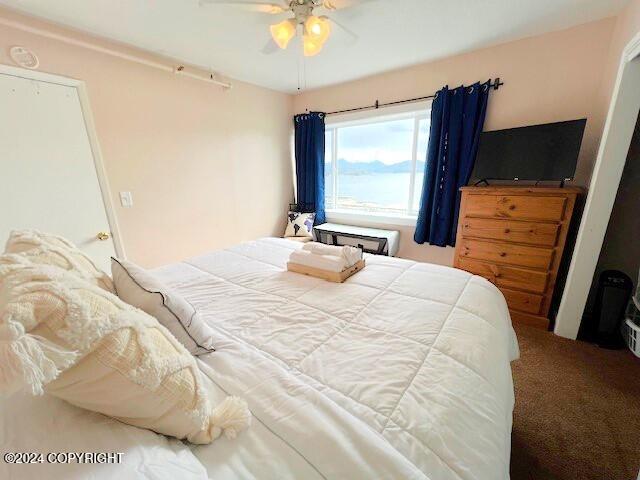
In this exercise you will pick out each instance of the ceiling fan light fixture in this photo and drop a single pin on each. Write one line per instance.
(283, 32)
(318, 28)
(311, 46)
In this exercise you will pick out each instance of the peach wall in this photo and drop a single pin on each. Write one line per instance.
(207, 168)
(627, 25)
(552, 77)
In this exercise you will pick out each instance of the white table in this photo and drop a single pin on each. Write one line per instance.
(371, 240)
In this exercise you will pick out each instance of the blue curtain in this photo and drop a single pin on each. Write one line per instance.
(457, 118)
(309, 139)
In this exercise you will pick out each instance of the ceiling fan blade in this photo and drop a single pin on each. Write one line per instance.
(255, 6)
(353, 36)
(270, 47)
(342, 4)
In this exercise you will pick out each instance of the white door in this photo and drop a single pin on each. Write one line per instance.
(48, 178)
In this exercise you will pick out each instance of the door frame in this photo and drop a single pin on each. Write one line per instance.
(603, 188)
(87, 115)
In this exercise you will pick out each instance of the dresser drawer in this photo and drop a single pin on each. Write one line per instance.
(521, 255)
(504, 276)
(516, 206)
(522, 301)
(544, 234)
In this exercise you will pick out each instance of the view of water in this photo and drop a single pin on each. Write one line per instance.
(383, 192)
(374, 164)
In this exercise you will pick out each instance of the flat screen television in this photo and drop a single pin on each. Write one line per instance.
(538, 152)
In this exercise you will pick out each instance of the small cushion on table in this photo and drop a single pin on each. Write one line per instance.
(300, 224)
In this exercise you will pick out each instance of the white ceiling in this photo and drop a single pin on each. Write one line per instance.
(393, 33)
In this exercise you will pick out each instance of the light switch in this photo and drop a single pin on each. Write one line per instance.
(126, 199)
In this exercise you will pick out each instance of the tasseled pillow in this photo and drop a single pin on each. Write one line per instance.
(48, 249)
(61, 335)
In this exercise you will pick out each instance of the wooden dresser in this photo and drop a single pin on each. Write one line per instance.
(515, 237)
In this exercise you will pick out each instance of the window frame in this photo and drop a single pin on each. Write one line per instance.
(417, 111)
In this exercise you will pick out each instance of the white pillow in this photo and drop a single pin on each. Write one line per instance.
(61, 335)
(139, 288)
(49, 249)
(300, 224)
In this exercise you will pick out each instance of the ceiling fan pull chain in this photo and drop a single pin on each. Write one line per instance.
(298, 65)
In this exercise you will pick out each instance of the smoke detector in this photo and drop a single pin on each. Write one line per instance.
(24, 57)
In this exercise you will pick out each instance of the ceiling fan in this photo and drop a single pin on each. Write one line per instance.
(315, 28)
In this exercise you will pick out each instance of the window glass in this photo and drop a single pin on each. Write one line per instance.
(371, 165)
(328, 169)
(423, 144)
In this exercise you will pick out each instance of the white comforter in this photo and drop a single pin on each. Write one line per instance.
(48, 425)
(401, 372)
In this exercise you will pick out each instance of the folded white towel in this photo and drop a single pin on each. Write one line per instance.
(330, 263)
(351, 254)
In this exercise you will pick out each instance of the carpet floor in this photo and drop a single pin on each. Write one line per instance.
(577, 413)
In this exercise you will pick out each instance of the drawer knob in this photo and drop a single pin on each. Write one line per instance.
(512, 207)
(503, 254)
(506, 230)
(498, 275)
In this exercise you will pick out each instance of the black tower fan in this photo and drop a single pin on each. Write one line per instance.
(614, 291)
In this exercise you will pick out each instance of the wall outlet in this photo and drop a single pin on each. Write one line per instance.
(126, 200)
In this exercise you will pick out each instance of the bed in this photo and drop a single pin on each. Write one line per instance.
(403, 371)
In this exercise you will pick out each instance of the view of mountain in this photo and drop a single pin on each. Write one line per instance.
(346, 167)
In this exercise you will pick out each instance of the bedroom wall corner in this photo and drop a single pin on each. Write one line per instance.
(573, 309)
(207, 168)
(627, 24)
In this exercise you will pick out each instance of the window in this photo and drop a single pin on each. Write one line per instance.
(375, 165)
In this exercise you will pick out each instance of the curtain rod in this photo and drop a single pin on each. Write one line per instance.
(496, 84)
(177, 69)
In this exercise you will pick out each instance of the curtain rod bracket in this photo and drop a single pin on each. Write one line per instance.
(497, 83)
